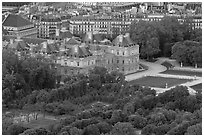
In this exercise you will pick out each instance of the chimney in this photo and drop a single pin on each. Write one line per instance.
(11, 41)
(120, 38)
(44, 45)
(89, 35)
(57, 32)
(127, 35)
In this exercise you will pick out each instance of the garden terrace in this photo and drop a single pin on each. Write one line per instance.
(180, 72)
(159, 82)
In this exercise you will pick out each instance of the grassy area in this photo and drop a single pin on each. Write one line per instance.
(180, 72)
(41, 122)
(158, 81)
(197, 87)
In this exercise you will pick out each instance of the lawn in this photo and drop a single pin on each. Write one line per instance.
(41, 122)
(158, 81)
(197, 87)
(179, 72)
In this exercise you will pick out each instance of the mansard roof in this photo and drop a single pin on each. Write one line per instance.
(78, 52)
(19, 45)
(122, 41)
(27, 40)
(73, 41)
(90, 36)
(16, 21)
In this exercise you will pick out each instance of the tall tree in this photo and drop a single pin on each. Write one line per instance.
(146, 35)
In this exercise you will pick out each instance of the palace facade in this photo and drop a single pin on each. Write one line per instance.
(119, 55)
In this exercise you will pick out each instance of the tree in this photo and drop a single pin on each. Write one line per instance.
(123, 128)
(104, 127)
(101, 71)
(38, 131)
(162, 130)
(157, 119)
(173, 29)
(91, 130)
(172, 95)
(68, 120)
(146, 35)
(75, 131)
(149, 130)
(84, 115)
(149, 102)
(137, 121)
(116, 117)
(180, 129)
(191, 52)
(194, 130)
(15, 129)
(7, 96)
(6, 123)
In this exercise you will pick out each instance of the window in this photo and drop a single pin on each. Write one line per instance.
(123, 69)
(65, 71)
(123, 53)
(123, 62)
(117, 52)
(118, 61)
(77, 63)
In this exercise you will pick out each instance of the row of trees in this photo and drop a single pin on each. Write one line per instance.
(156, 38)
(131, 110)
(23, 75)
(124, 108)
(188, 52)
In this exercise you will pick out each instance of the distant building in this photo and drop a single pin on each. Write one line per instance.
(121, 55)
(16, 25)
(49, 26)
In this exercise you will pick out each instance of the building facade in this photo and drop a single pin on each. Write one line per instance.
(118, 23)
(121, 55)
(15, 25)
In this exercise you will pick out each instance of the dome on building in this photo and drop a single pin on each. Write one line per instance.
(78, 52)
(92, 37)
(123, 41)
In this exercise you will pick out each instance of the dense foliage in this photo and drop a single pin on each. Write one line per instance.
(98, 103)
(156, 38)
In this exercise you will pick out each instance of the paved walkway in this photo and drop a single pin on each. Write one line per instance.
(177, 65)
(153, 69)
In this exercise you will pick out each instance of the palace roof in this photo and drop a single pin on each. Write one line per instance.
(122, 41)
(79, 52)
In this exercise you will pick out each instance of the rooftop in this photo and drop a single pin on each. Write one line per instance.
(79, 52)
(123, 41)
(15, 21)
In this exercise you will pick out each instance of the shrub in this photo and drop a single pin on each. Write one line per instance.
(123, 128)
(15, 129)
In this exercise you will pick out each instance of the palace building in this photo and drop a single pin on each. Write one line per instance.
(79, 57)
